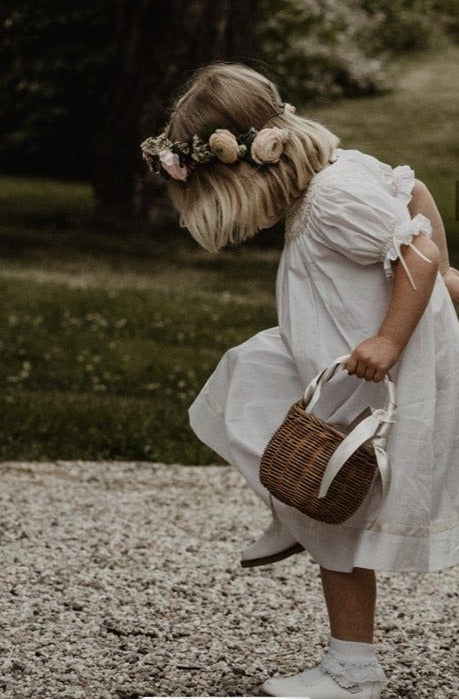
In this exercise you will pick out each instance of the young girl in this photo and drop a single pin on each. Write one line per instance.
(359, 275)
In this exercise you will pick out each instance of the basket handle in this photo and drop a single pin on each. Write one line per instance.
(375, 427)
(312, 392)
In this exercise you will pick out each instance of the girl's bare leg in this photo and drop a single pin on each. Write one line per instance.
(351, 655)
(351, 601)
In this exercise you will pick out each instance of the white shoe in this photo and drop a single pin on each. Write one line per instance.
(314, 684)
(275, 544)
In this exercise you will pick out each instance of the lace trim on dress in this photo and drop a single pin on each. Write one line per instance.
(350, 673)
(403, 235)
(296, 217)
(404, 183)
(400, 180)
(294, 226)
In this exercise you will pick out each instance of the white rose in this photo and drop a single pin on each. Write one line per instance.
(268, 145)
(224, 146)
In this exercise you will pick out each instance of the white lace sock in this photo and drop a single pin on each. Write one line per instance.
(352, 664)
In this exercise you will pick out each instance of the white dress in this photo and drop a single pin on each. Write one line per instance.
(333, 287)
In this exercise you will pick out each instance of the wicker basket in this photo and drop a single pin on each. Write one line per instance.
(296, 458)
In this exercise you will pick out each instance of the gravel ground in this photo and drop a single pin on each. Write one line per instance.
(120, 580)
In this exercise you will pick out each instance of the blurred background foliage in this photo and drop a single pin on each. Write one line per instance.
(112, 318)
(325, 49)
(82, 83)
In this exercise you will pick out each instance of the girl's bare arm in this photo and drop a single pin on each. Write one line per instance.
(373, 357)
(422, 202)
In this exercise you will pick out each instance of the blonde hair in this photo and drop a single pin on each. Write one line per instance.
(225, 204)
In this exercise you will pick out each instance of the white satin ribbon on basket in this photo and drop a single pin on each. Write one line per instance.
(374, 428)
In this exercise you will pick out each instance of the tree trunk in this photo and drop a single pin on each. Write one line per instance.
(157, 44)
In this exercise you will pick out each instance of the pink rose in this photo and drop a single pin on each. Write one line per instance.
(268, 145)
(170, 162)
(224, 146)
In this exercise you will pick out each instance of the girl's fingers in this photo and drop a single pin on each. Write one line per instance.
(379, 375)
(369, 374)
(351, 365)
(363, 371)
(358, 368)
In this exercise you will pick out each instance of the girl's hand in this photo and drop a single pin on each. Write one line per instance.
(373, 358)
(451, 279)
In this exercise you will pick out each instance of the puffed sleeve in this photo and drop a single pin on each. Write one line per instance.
(358, 218)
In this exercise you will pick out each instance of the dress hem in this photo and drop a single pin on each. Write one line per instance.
(383, 562)
(387, 554)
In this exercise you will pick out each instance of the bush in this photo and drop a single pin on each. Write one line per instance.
(321, 48)
(398, 27)
(447, 13)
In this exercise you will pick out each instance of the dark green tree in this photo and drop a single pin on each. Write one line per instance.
(155, 47)
(82, 82)
(53, 66)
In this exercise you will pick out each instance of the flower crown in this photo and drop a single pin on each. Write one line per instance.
(177, 159)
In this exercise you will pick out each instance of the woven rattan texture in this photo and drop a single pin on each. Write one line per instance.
(294, 462)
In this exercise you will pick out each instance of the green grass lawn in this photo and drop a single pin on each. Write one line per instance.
(109, 372)
(106, 336)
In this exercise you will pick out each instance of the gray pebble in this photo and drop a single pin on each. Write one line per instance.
(123, 579)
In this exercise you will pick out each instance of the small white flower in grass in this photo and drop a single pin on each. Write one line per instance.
(152, 386)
